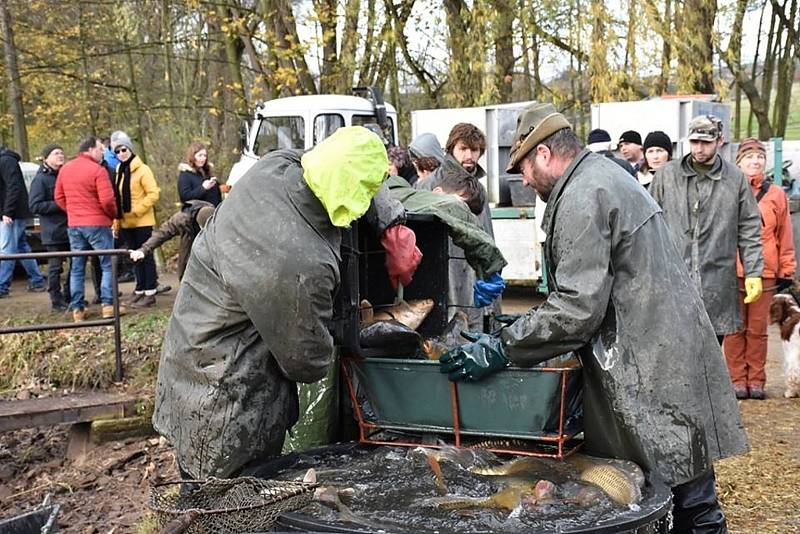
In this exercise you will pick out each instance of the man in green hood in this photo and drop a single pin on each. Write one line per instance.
(250, 318)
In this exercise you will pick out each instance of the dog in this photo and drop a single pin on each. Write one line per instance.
(785, 312)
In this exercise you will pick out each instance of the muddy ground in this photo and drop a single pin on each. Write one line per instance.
(106, 490)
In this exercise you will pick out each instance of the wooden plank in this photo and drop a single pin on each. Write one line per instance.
(63, 410)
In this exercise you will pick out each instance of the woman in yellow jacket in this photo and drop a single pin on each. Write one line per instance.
(138, 194)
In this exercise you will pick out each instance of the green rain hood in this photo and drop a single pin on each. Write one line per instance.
(344, 172)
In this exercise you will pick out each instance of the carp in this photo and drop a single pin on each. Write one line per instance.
(621, 480)
(410, 314)
(435, 348)
(512, 496)
(617, 484)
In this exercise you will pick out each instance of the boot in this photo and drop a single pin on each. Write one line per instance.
(695, 507)
(108, 311)
(757, 392)
(133, 299)
(145, 302)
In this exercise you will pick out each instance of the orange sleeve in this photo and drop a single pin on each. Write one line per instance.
(787, 264)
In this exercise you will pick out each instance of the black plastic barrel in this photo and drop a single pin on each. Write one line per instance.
(652, 517)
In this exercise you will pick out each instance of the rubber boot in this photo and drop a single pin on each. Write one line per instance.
(696, 508)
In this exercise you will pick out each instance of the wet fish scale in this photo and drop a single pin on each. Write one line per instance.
(614, 482)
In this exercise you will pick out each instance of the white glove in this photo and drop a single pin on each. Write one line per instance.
(208, 184)
(137, 255)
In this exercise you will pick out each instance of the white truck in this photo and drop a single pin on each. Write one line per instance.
(303, 121)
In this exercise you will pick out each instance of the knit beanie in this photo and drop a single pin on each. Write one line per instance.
(121, 138)
(598, 136)
(749, 146)
(658, 139)
(631, 136)
(49, 148)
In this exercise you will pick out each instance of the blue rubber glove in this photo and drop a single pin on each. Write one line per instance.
(476, 360)
(484, 292)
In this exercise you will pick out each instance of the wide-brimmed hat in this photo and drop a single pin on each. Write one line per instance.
(535, 124)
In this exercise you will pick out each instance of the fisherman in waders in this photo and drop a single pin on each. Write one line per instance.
(656, 388)
(250, 319)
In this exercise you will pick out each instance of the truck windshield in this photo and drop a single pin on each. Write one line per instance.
(279, 132)
(361, 120)
(325, 125)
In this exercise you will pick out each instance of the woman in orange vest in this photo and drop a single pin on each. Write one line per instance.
(746, 351)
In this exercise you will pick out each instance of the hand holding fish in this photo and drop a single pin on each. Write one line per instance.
(476, 360)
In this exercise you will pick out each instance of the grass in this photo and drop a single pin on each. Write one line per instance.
(81, 359)
(792, 123)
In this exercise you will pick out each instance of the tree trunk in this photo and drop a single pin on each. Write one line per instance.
(367, 59)
(527, 50)
(166, 32)
(233, 59)
(754, 66)
(91, 111)
(286, 30)
(735, 49)
(464, 87)
(503, 36)
(137, 105)
(695, 56)
(598, 63)
(350, 42)
(786, 69)
(326, 15)
(666, 50)
(15, 88)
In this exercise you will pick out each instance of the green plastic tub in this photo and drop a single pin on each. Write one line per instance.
(412, 395)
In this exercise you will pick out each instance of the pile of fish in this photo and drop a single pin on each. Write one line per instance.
(396, 325)
(469, 490)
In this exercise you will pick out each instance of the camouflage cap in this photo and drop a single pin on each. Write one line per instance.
(534, 125)
(705, 128)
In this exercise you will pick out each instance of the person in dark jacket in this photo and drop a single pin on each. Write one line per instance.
(14, 212)
(250, 319)
(656, 389)
(53, 222)
(187, 223)
(196, 180)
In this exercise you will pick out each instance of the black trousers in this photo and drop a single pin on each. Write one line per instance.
(144, 270)
(695, 508)
(54, 270)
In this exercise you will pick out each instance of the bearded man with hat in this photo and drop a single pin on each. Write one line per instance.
(656, 389)
(711, 214)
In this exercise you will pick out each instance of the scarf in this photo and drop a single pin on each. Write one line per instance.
(124, 180)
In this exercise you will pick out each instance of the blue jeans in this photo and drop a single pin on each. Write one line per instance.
(89, 238)
(13, 241)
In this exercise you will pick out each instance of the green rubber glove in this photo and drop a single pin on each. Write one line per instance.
(476, 360)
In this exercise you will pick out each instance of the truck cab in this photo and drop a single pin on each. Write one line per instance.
(303, 121)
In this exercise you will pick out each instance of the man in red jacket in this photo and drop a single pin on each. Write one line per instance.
(84, 192)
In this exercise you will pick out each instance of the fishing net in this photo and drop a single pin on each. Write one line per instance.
(211, 506)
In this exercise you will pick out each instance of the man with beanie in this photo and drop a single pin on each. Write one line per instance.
(630, 144)
(657, 152)
(14, 212)
(711, 214)
(746, 350)
(656, 390)
(84, 192)
(599, 142)
(53, 222)
(251, 318)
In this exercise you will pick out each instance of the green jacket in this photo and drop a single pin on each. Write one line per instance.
(463, 227)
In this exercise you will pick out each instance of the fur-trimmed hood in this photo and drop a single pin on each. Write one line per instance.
(185, 167)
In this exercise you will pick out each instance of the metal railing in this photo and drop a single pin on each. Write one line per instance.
(112, 321)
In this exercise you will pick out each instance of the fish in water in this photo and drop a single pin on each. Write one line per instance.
(410, 314)
(516, 493)
(333, 497)
(621, 480)
(435, 348)
(614, 482)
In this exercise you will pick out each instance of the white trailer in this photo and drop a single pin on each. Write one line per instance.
(516, 229)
